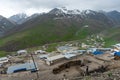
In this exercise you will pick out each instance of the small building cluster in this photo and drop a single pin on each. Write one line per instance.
(63, 53)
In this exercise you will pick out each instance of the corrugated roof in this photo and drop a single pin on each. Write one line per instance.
(27, 66)
(68, 56)
(55, 57)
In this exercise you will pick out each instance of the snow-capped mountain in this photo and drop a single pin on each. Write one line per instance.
(64, 10)
(84, 16)
(56, 11)
(19, 18)
(77, 14)
(87, 12)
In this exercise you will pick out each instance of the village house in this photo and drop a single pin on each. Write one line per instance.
(3, 60)
(20, 52)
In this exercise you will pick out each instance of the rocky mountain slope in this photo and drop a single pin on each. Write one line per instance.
(5, 25)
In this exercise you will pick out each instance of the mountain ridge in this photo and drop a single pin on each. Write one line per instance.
(57, 26)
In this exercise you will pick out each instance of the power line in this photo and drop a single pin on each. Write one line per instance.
(35, 67)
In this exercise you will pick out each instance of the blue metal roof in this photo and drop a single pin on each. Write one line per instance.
(97, 52)
(26, 66)
(117, 53)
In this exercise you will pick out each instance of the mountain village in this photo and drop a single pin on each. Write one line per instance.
(60, 40)
(68, 62)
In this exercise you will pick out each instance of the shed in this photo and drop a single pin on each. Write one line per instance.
(52, 59)
(43, 56)
(91, 50)
(117, 54)
(3, 60)
(117, 46)
(21, 67)
(97, 52)
(115, 50)
(55, 57)
(21, 52)
(104, 49)
(40, 52)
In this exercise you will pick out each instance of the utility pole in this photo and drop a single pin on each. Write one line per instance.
(35, 66)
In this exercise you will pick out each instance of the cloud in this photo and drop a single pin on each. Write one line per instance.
(36, 3)
(10, 7)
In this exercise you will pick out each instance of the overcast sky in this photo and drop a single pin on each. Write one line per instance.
(10, 7)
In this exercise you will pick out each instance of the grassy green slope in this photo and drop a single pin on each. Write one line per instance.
(112, 36)
(47, 30)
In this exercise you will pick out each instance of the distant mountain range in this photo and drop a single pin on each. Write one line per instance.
(59, 24)
(19, 18)
(22, 17)
(6, 25)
